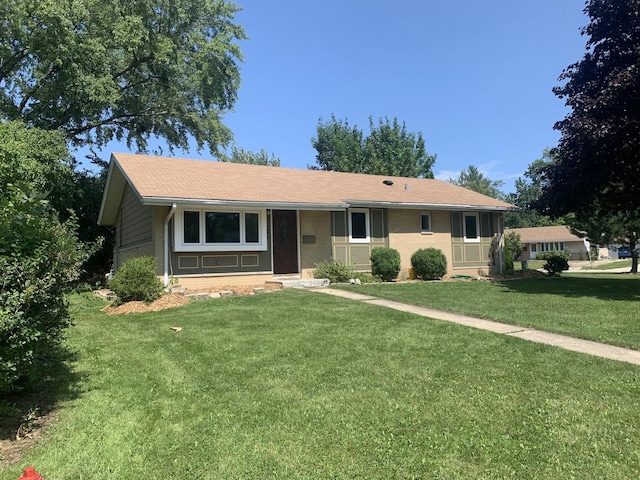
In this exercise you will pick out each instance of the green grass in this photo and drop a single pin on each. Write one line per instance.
(533, 264)
(610, 265)
(600, 307)
(295, 384)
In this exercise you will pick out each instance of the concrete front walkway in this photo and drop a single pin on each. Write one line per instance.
(561, 341)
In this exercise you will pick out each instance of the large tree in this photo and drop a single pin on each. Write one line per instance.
(528, 190)
(121, 69)
(132, 70)
(389, 149)
(597, 171)
(475, 180)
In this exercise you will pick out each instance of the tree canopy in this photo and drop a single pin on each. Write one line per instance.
(475, 180)
(598, 155)
(528, 189)
(597, 171)
(389, 149)
(261, 157)
(129, 70)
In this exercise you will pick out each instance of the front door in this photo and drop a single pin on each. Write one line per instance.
(285, 242)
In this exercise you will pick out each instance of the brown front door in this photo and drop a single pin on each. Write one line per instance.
(285, 241)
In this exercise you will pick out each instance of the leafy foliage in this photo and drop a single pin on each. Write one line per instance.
(385, 263)
(39, 258)
(240, 155)
(528, 191)
(388, 150)
(512, 241)
(132, 70)
(429, 263)
(597, 168)
(475, 180)
(136, 280)
(556, 262)
(338, 272)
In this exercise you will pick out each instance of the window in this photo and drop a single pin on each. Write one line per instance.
(220, 230)
(222, 227)
(359, 226)
(191, 227)
(534, 247)
(552, 247)
(425, 223)
(470, 225)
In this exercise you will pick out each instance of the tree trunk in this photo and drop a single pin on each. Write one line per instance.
(634, 256)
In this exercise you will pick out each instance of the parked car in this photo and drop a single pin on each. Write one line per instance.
(625, 253)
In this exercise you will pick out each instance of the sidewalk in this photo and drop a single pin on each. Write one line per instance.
(538, 336)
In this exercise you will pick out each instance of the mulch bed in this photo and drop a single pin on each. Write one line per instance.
(171, 300)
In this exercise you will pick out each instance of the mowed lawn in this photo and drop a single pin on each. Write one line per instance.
(294, 384)
(600, 307)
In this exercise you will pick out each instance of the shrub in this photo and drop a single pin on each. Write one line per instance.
(39, 258)
(385, 263)
(508, 259)
(556, 262)
(335, 271)
(512, 250)
(136, 280)
(429, 263)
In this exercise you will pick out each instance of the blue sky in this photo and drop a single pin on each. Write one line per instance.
(474, 77)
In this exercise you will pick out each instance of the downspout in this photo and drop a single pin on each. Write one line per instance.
(166, 244)
(501, 243)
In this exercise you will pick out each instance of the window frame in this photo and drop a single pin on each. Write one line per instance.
(179, 245)
(475, 239)
(428, 231)
(367, 220)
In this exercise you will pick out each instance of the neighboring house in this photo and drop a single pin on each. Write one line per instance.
(224, 223)
(537, 240)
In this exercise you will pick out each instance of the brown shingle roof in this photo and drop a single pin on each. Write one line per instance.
(555, 233)
(165, 179)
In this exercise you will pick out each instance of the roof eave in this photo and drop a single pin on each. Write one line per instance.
(196, 202)
(430, 206)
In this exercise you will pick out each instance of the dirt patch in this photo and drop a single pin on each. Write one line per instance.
(172, 300)
(22, 424)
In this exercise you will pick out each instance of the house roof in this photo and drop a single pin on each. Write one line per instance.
(555, 233)
(168, 180)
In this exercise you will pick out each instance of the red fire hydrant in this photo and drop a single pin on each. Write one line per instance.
(30, 473)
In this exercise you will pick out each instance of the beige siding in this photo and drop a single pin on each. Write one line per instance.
(315, 239)
(135, 220)
(405, 235)
(213, 281)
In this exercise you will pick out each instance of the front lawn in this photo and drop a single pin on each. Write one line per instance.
(600, 307)
(294, 384)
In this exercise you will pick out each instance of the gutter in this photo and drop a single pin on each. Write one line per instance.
(166, 244)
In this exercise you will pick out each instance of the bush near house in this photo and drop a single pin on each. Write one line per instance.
(429, 263)
(385, 263)
(137, 281)
(335, 271)
(556, 262)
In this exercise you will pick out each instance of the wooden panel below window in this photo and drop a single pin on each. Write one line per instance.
(219, 261)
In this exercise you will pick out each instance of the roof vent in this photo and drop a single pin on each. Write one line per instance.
(387, 182)
(406, 186)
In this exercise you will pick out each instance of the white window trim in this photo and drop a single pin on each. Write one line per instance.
(367, 226)
(464, 227)
(242, 246)
(430, 231)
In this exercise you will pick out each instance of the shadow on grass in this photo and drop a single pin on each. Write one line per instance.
(24, 414)
(621, 286)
